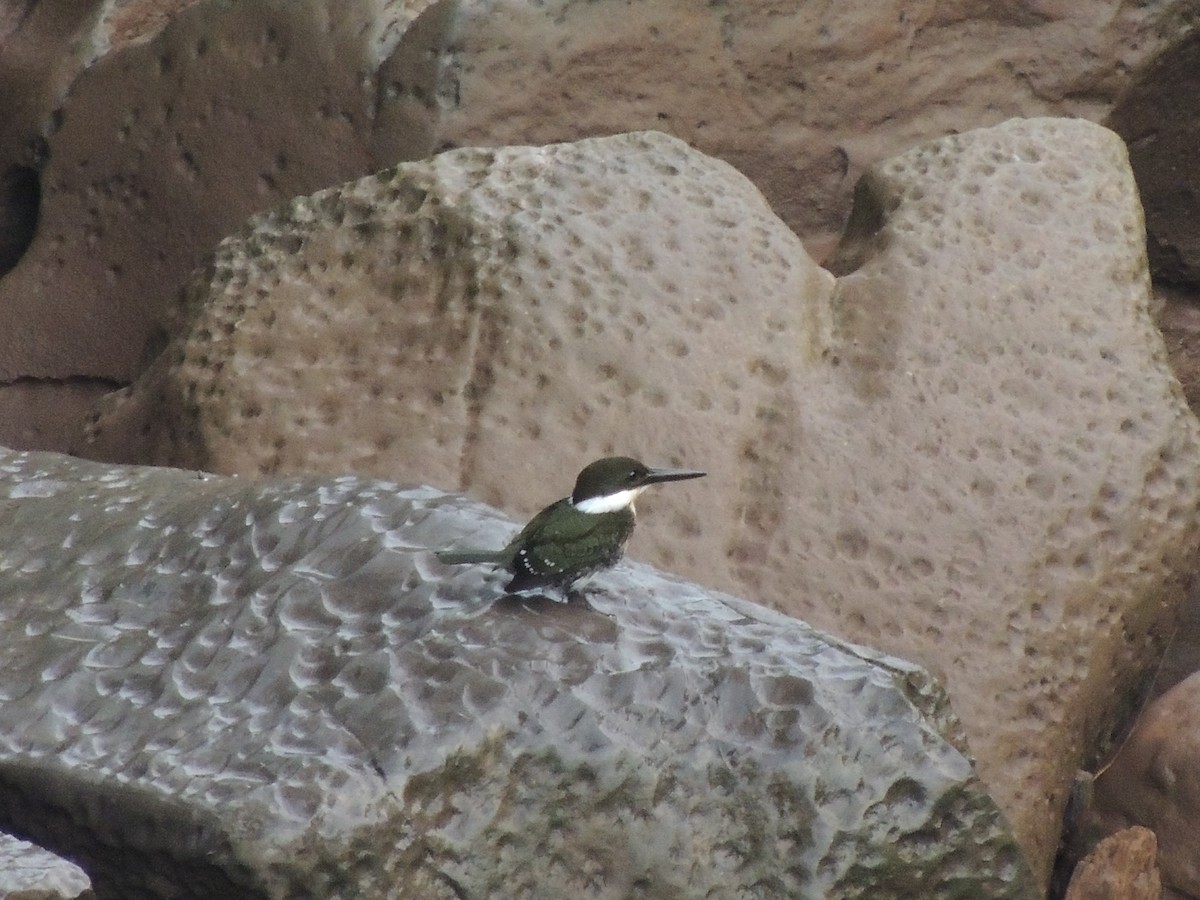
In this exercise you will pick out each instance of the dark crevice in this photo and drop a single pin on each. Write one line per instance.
(109, 384)
(20, 203)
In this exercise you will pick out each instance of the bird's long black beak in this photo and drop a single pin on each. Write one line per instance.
(654, 476)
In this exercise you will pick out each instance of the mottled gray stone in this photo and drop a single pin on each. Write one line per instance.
(28, 872)
(218, 687)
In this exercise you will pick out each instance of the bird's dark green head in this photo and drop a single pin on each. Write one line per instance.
(614, 482)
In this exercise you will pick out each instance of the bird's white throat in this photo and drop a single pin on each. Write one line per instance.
(609, 502)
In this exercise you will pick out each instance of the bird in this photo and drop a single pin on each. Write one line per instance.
(577, 535)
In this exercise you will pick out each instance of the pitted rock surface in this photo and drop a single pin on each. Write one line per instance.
(31, 873)
(274, 689)
(968, 451)
(505, 300)
(289, 97)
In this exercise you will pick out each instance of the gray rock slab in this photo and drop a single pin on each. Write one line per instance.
(219, 687)
(28, 872)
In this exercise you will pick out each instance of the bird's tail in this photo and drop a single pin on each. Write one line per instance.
(458, 557)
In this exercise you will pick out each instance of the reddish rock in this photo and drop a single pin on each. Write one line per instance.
(1122, 867)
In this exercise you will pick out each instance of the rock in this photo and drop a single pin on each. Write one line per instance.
(162, 150)
(1178, 316)
(507, 300)
(803, 98)
(968, 451)
(45, 415)
(1158, 120)
(995, 234)
(31, 873)
(1153, 781)
(1120, 868)
(175, 134)
(273, 689)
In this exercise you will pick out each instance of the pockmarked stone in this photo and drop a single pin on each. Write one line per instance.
(967, 449)
(180, 117)
(216, 687)
(1033, 539)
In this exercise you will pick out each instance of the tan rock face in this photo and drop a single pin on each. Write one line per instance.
(1155, 781)
(181, 117)
(165, 145)
(968, 451)
(1023, 252)
(801, 97)
(616, 294)
(43, 415)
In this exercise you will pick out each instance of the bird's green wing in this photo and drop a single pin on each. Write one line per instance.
(560, 541)
(552, 526)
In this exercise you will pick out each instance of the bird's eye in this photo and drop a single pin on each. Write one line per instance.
(632, 476)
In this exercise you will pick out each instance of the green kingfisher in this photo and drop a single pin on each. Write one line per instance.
(577, 535)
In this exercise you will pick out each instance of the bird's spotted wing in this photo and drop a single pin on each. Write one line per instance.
(561, 545)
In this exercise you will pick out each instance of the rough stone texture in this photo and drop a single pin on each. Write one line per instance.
(290, 97)
(31, 873)
(1159, 118)
(500, 302)
(1155, 781)
(801, 97)
(175, 133)
(194, 146)
(1090, 538)
(969, 451)
(1122, 867)
(221, 688)
(45, 415)
(981, 242)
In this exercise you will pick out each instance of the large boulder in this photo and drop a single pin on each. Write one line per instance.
(215, 687)
(148, 128)
(801, 97)
(159, 135)
(967, 450)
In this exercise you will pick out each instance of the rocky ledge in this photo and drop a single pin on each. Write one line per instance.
(273, 688)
